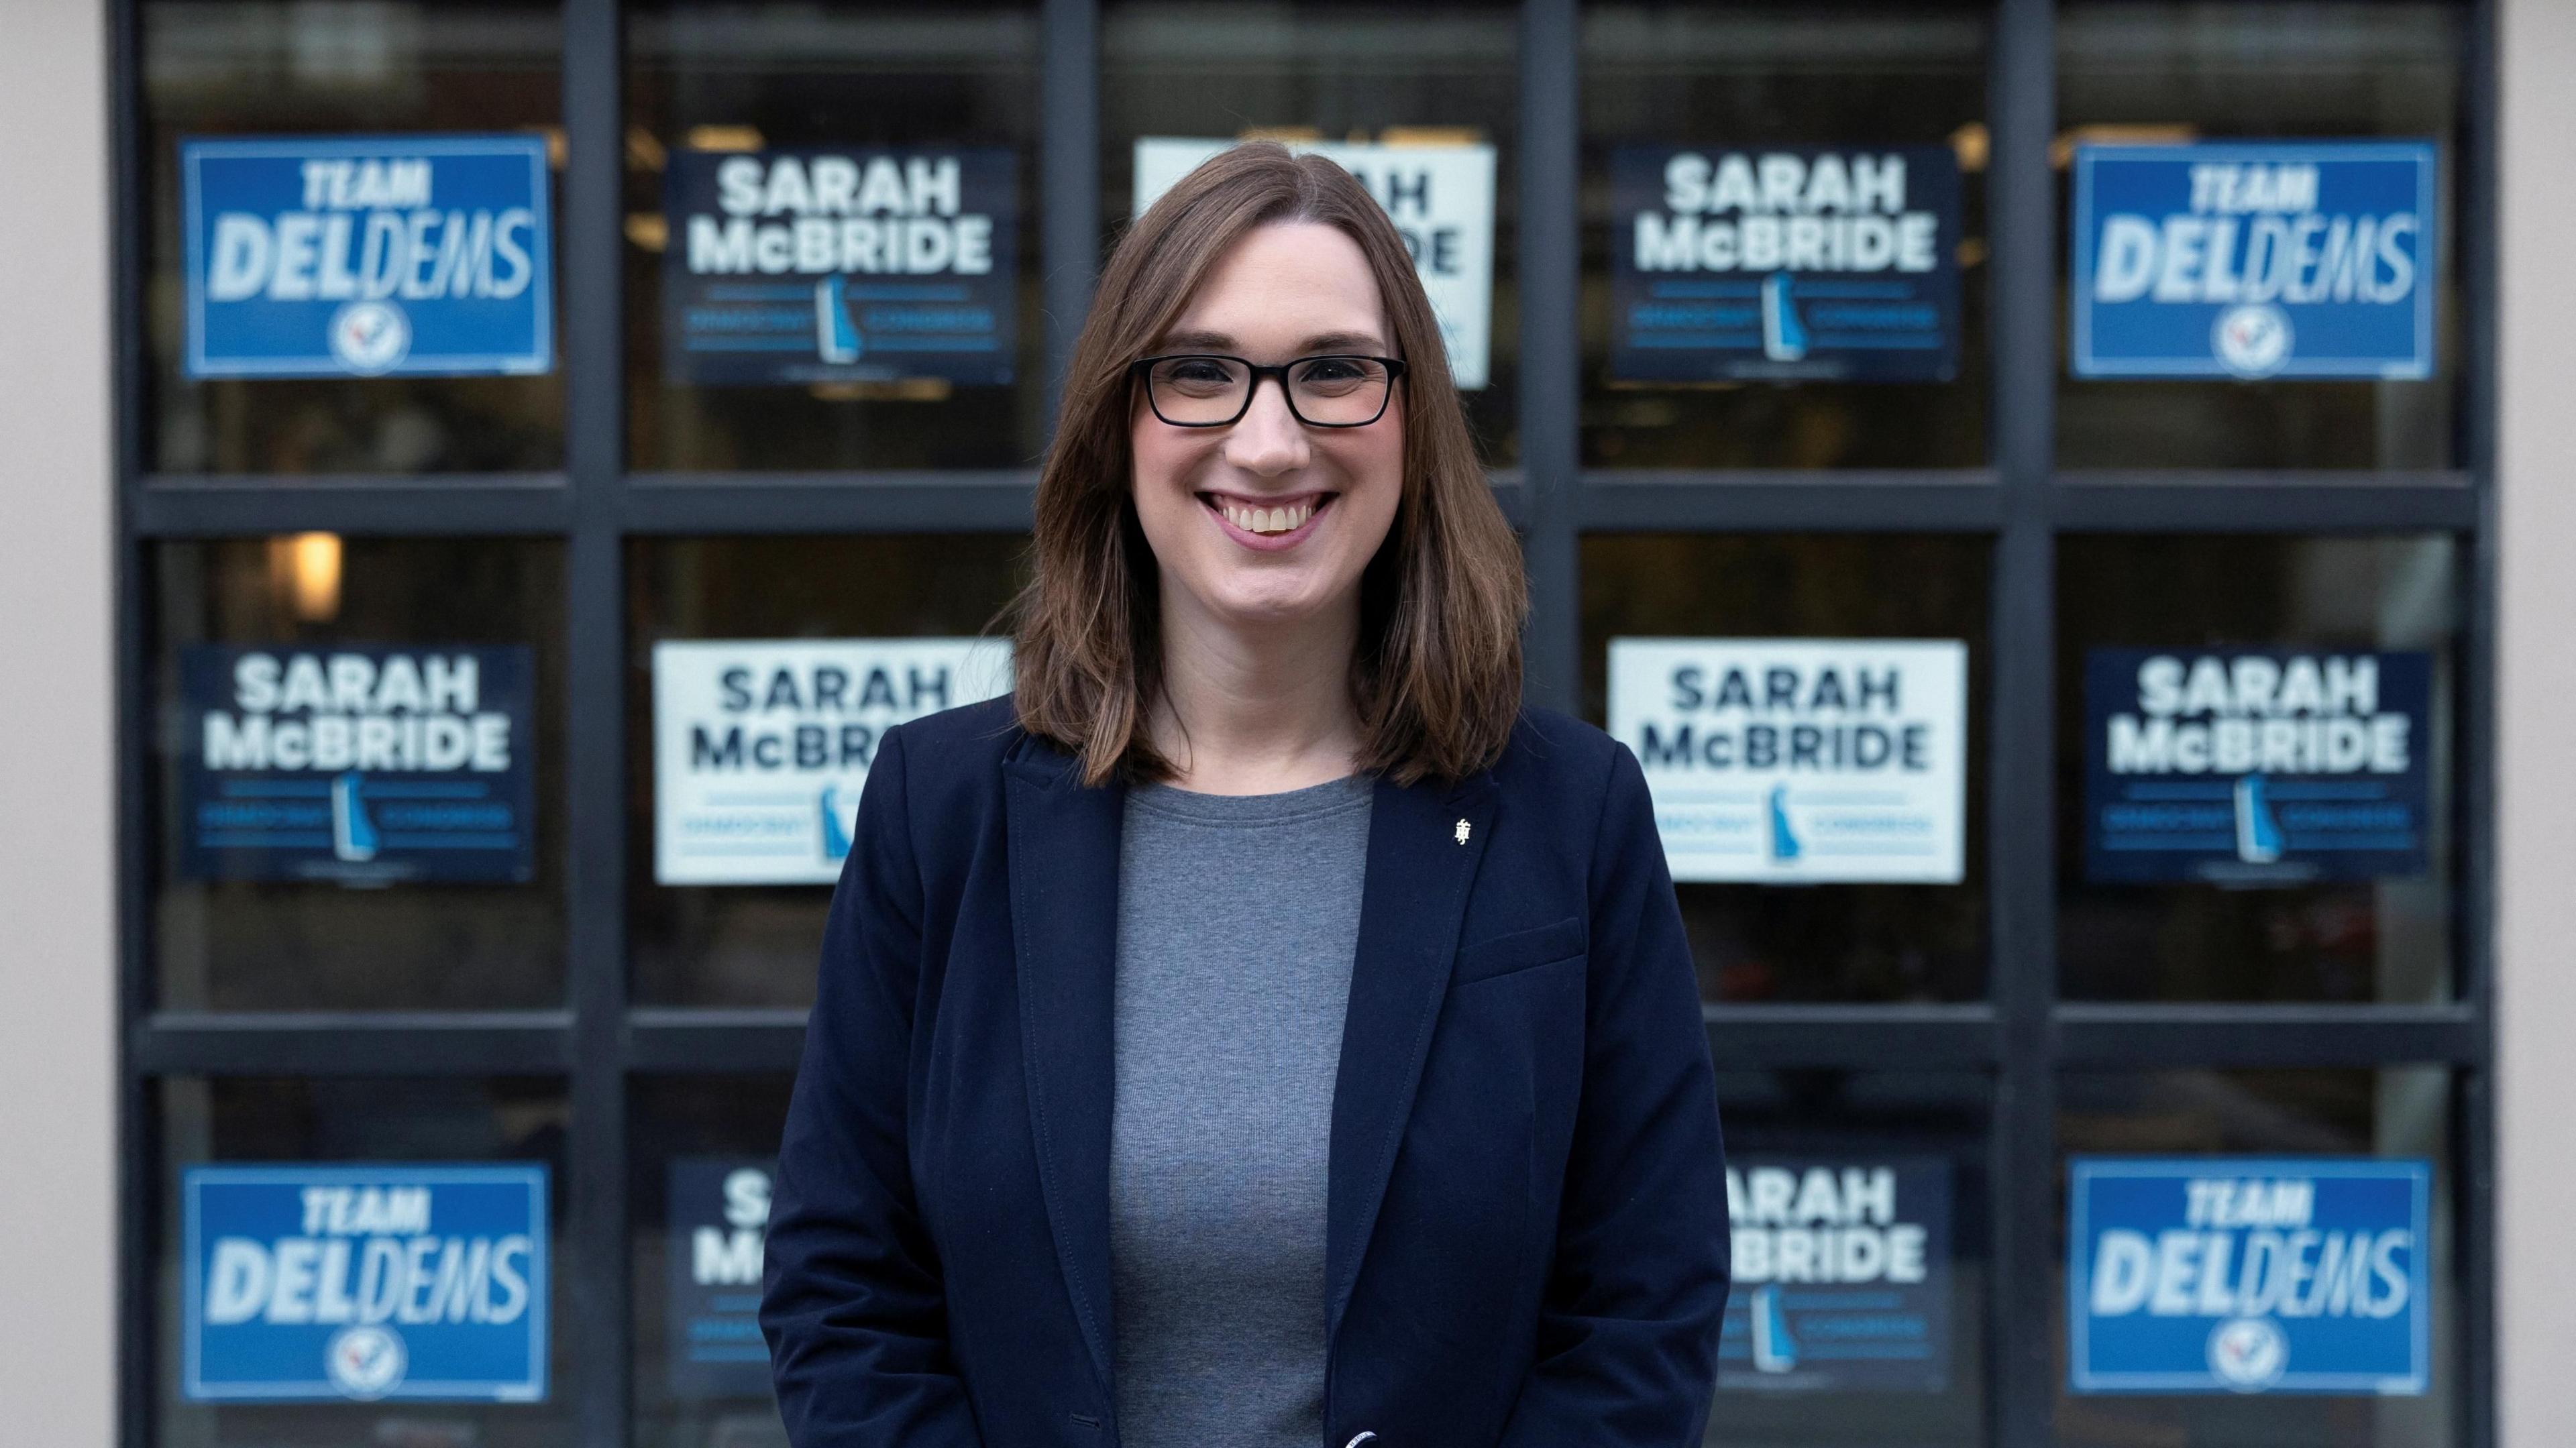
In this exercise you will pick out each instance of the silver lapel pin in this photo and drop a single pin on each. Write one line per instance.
(1461, 836)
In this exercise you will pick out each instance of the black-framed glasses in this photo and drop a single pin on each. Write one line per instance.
(1209, 389)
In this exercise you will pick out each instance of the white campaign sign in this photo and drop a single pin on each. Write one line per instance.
(1799, 760)
(760, 745)
(1441, 198)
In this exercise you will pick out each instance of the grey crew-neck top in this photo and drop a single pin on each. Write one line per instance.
(1238, 916)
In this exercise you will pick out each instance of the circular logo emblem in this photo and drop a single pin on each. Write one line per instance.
(2248, 1353)
(370, 337)
(2252, 340)
(365, 1361)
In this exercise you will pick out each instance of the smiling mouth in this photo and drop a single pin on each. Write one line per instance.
(1267, 518)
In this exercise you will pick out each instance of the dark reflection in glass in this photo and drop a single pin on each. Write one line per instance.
(2365, 940)
(1848, 74)
(2198, 70)
(1330, 70)
(1812, 942)
(719, 76)
(697, 1134)
(294, 945)
(1928, 1125)
(2401, 1112)
(348, 67)
(755, 945)
(258, 1120)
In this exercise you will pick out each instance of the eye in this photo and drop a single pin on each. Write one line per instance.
(1337, 374)
(1197, 376)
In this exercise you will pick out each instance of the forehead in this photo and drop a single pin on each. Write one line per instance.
(1282, 285)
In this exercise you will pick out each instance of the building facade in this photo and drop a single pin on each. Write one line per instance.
(2064, 501)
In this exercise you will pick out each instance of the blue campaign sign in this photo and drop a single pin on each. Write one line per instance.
(1841, 1270)
(719, 1226)
(362, 763)
(380, 1282)
(366, 256)
(2248, 1275)
(1784, 263)
(2254, 259)
(852, 264)
(2255, 766)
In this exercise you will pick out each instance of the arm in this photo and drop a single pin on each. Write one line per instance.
(852, 1301)
(1627, 1336)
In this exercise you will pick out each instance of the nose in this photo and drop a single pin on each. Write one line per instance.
(1267, 440)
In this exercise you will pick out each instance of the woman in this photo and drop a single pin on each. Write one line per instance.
(1257, 1030)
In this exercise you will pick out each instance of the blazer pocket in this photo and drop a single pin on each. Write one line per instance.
(1519, 950)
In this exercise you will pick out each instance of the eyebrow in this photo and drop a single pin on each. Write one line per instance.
(1320, 342)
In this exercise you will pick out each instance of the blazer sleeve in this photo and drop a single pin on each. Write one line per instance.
(852, 1301)
(1627, 1334)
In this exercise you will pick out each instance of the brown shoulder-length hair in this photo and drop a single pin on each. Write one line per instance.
(1437, 672)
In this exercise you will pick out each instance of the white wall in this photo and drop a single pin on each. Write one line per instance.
(57, 1007)
(2536, 1005)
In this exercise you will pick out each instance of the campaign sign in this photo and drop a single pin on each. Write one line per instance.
(719, 1226)
(2254, 259)
(847, 264)
(2248, 1275)
(363, 763)
(2254, 767)
(760, 746)
(397, 1283)
(1792, 761)
(1441, 199)
(407, 256)
(1784, 262)
(1841, 1275)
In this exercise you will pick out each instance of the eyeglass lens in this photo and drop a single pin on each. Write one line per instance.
(1329, 391)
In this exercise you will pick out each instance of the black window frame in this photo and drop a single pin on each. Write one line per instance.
(2021, 1035)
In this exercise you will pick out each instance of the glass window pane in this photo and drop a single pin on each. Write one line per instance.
(1441, 74)
(338, 1121)
(906, 89)
(2399, 1112)
(2234, 933)
(346, 67)
(1859, 78)
(1812, 942)
(2194, 70)
(704, 1152)
(457, 903)
(755, 944)
(1887, 1350)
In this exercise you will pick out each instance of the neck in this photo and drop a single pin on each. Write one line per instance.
(1256, 708)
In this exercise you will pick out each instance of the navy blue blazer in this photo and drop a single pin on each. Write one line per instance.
(1526, 1234)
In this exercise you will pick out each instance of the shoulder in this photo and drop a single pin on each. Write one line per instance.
(1563, 764)
(954, 753)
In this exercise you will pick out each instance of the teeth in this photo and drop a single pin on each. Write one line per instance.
(1268, 520)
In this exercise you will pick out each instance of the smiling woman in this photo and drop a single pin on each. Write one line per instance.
(1259, 1028)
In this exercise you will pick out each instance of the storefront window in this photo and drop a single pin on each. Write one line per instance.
(763, 671)
(2146, 73)
(1905, 925)
(318, 71)
(704, 1157)
(2319, 871)
(2258, 1127)
(1423, 102)
(1733, 339)
(269, 1141)
(832, 237)
(359, 802)
(1857, 1313)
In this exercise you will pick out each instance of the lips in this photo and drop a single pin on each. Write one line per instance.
(1267, 523)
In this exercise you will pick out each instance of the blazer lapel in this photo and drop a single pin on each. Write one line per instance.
(1424, 844)
(1064, 913)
